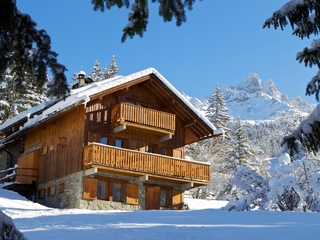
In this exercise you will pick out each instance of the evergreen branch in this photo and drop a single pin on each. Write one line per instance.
(29, 55)
(138, 18)
(99, 4)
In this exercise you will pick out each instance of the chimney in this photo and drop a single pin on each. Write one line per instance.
(80, 80)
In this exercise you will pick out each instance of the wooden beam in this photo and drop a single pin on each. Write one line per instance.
(120, 128)
(189, 123)
(146, 83)
(168, 103)
(142, 179)
(186, 186)
(120, 92)
(165, 137)
(151, 177)
(90, 171)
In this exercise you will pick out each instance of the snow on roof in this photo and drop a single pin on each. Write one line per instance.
(82, 96)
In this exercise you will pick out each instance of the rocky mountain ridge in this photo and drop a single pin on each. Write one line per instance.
(254, 99)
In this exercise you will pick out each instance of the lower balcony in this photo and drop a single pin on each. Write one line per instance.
(146, 165)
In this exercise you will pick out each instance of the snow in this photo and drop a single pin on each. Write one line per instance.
(305, 126)
(204, 220)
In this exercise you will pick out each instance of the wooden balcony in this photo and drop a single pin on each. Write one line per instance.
(138, 164)
(126, 115)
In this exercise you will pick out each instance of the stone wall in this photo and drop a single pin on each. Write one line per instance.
(106, 205)
(69, 197)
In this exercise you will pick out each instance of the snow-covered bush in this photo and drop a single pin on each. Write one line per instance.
(295, 185)
(8, 230)
(251, 189)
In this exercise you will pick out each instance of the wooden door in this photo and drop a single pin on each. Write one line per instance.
(153, 198)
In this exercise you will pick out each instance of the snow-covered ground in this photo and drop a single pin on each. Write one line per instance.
(204, 220)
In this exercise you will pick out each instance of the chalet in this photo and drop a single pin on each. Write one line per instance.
(114, 144)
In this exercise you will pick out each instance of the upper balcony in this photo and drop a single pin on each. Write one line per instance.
(126, 115)
(147, 165)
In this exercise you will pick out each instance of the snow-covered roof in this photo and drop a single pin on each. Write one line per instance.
(82, 96)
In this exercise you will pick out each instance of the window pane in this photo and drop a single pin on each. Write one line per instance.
(163, 151)
(104, 140)
(163, 198)
(101, 194)
(119, 143)
(116, 192)
(150, 149)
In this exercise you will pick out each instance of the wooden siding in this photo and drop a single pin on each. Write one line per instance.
(27, 173)
(145, 163)
(61, 142)
(128, 113)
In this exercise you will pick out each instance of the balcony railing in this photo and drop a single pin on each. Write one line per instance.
(143, 163)
(123, 113)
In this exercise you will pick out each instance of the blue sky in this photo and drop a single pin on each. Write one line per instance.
(221, 42)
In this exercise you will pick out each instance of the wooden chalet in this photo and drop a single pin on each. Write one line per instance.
(113, 144)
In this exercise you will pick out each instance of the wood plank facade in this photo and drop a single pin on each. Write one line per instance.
(127, 141)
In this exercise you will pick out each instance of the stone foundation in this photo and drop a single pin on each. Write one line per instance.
(71, 197)
(67, 192)
(106, 205)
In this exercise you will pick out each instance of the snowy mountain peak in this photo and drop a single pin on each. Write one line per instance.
(269, 87)
(252, 83)
(254, 99)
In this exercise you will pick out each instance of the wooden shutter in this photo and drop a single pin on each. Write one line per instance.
(90, 186)
(132, 196)
(153, 198)
(177, 200)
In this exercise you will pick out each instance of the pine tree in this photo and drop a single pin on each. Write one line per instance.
(238, 153)
(112, 70)
(14, 101)
(8, 230)
(303, 17)
(97, 74)
(29, 54)
(239, 150)
(214, 150)
(217, 111)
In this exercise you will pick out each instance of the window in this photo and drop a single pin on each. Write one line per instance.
(108, 190)
(118, 143)
(51, 191)
(163, 151)
(102, 190)
(61, 187)
(104, 140)
(139, 104)
(163, 198)
(42, 193)
(105, 116)
(116, 192)
(151, 149)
